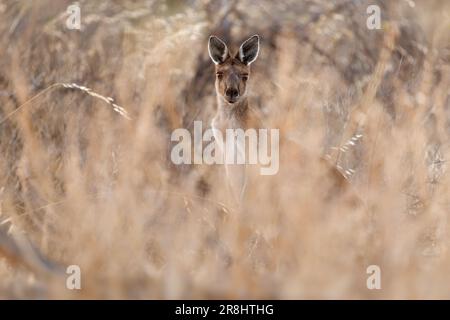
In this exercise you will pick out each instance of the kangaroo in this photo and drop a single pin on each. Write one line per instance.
(233, 112)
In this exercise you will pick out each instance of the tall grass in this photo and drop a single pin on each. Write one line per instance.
(92, 187)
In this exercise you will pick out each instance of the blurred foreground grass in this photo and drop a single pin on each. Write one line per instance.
(91, 188)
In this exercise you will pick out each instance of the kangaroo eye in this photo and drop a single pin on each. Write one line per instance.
(219, 75)
(245, 77)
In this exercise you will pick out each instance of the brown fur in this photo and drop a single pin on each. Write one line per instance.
(233, 112)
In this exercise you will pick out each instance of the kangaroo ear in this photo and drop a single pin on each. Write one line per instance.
(248, 52)
(217, 49)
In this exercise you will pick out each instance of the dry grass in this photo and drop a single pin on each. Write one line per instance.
(89, 186)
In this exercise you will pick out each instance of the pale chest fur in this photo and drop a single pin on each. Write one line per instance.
(232, 119)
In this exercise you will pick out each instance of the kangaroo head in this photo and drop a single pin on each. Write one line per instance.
(232, 71)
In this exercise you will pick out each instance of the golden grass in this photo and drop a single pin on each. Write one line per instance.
(96, 188)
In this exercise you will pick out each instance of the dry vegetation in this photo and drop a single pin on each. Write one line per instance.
(82, 184)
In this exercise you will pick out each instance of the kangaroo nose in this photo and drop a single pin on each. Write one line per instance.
(232, 93)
